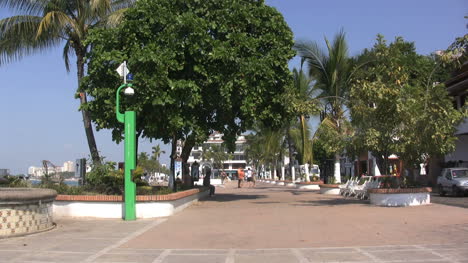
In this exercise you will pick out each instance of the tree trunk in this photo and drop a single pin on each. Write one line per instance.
(86, 116)
(305, 154)
(188, 145)
(172, 184)
(337, 169)
(291, 154)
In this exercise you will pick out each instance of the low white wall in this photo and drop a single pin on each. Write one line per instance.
(291, 184)
(279, 183)
(329, 191)
(308, 187)
(406, 199)
(151, 209)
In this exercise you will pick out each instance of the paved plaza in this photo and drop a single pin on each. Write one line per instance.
(262, 224)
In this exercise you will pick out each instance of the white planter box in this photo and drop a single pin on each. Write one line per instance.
(400, 199)
(150, 209)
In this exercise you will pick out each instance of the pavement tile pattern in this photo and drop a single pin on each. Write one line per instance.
(97, 240)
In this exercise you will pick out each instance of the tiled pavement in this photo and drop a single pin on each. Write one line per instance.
(140, 241)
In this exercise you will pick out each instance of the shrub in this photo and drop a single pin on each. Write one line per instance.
(14, 181)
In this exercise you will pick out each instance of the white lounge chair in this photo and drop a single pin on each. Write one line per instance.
(363, 193)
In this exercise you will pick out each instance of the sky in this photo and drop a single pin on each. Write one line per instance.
(39, 114)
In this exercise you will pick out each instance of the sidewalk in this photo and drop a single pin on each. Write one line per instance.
(262, 224)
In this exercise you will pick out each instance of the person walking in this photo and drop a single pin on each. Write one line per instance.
(250, 178)
(240, 177)
(223, 177)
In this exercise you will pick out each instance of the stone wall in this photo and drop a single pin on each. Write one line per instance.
(25, 211)
(25, 219)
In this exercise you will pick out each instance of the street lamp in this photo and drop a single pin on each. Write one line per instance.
(129, 120)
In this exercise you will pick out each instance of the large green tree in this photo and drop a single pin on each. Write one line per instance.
(398, 107)
(199, 67)
(44, 24)
(332, 70)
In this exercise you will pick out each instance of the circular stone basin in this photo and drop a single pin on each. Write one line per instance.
(25, 211)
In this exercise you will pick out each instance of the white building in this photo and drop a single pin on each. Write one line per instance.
(238, 159)
(68, 166)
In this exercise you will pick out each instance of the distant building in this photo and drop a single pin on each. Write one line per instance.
(230, 166)
(68, 166)
(4, 172)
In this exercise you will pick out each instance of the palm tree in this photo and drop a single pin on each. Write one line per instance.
(156, 154)
(266, 146)
(306, 104)
(43, 24)
(331, 71)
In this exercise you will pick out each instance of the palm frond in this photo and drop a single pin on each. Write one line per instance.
(115, 18)
(57, 21)
(28, 7)
(18, 38)
(314, 56)
(67, 51)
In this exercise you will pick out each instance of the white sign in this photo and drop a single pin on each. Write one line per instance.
(123, 71)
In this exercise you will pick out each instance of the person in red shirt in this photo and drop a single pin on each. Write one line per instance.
(240, 177)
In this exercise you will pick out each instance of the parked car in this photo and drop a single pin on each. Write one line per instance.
(453, 180)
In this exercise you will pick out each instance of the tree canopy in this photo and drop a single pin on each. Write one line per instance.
(199, 67)
(398, 108)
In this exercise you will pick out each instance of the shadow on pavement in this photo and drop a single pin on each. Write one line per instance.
(458, 201)
(332, 202)
(232, 197)
(261, 203)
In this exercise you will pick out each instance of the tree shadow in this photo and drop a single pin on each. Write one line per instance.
(266, 202)
(231, 197)
(332, 202)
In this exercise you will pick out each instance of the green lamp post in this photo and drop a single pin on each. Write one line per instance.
(129, 120)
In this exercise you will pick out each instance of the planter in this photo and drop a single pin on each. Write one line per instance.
(25, 211)
(309, 185)
(400, 197)
(330, 189)
(147, 206)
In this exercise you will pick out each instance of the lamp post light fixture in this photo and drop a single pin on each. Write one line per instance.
(129, 120)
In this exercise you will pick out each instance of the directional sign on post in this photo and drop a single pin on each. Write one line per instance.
(123, 71)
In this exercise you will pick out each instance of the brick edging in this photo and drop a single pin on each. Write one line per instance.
(141, 198)
(401, 190)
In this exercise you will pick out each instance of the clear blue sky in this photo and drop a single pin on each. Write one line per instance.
(39, 115)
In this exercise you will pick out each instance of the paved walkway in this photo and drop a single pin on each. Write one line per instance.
(262, 224)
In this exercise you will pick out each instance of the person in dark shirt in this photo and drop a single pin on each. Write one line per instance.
(207, 182)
